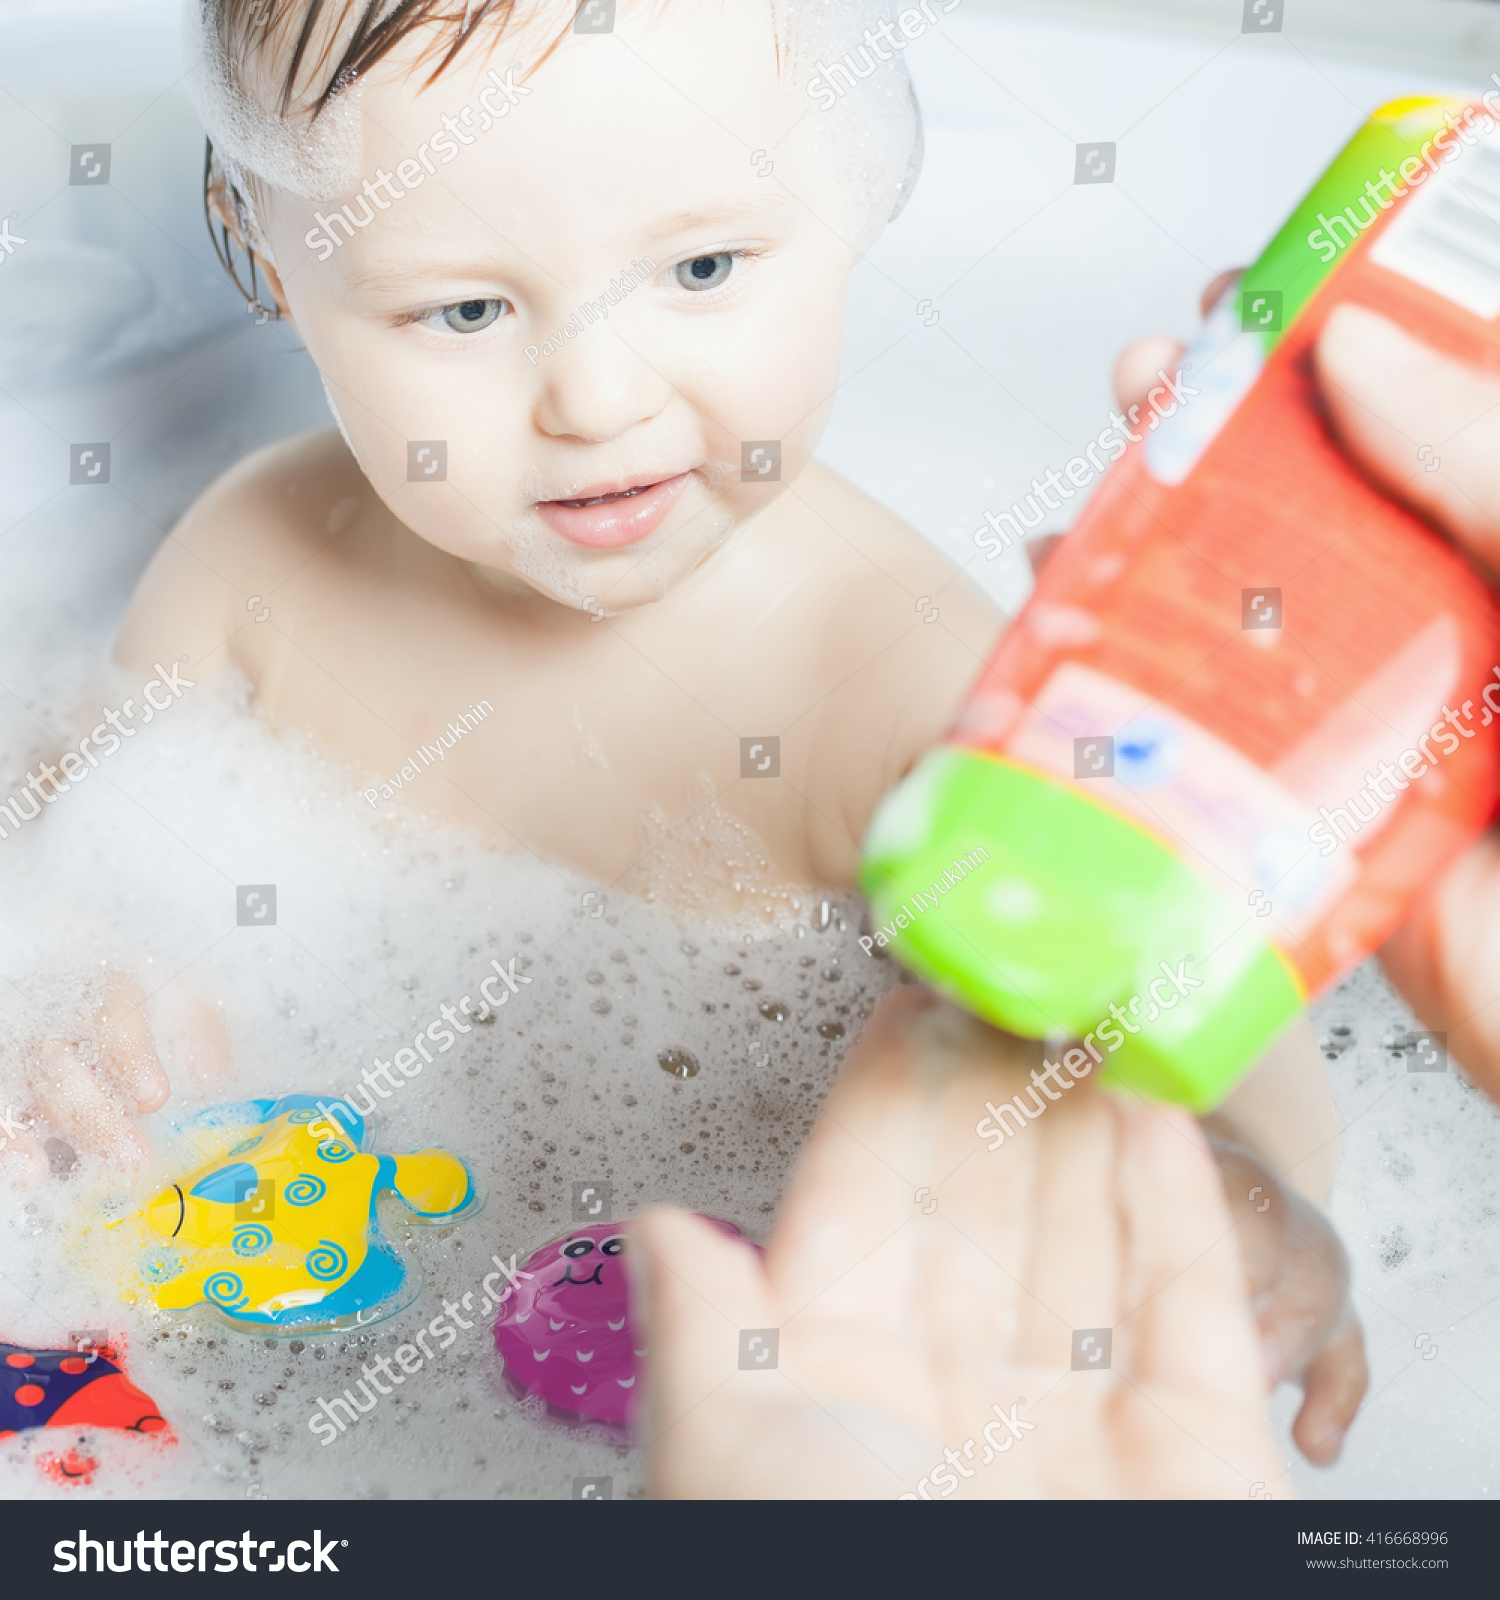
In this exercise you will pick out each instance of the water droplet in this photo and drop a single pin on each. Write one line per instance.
(774, 1011)
(686, 948)
(730, 970)
(687, 1149)
(752, 984)
(831, 973)
(266, 1398)
(680, 1063)
(595, 977)
(831, 1030)
(601, 1007)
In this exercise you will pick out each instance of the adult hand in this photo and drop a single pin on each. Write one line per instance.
(1388, 396)
(931, 1298)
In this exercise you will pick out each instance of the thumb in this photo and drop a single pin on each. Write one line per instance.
(1425, 426)
(693, 1289)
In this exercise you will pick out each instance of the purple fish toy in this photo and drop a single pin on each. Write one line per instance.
(564, 1330)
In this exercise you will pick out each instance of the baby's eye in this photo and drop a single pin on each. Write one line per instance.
(705, 272)
(612, 1247)
(579, 1247)
(468, 316)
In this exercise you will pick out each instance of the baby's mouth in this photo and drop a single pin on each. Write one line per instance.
(613, 515)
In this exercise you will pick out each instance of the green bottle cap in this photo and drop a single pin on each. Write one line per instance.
(1049, 913)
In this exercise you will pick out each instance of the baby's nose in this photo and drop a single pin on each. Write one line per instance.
(596, 389)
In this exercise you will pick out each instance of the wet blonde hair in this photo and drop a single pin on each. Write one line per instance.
(277, 82)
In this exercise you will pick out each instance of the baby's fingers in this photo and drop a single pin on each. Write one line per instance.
(1333, 1386)
(122, 1040)
(24, 1162)
(75, 1102)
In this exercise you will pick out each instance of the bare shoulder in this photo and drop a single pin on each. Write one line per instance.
(244, 536)
(912, 632)
(893, 552)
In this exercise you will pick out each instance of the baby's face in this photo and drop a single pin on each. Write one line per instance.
(599, 466)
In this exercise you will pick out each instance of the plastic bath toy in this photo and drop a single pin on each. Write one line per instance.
(564, 1332)
(74, 1389)
(281, 1233)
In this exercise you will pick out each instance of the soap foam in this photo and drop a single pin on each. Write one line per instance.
(379, 921)
(870, 143)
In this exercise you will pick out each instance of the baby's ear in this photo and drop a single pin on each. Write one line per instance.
(230, 228)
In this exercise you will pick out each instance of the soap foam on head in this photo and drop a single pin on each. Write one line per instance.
(870, 141)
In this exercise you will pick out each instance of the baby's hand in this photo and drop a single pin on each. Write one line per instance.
(1299, 1289)
(83, 1089)
(1081, 1280)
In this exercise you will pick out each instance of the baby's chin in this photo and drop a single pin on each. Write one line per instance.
(605, 583)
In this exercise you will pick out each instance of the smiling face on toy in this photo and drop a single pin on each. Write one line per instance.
(584, 1265)
(564, 1330)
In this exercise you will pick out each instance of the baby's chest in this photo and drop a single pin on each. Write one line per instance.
(594, 752)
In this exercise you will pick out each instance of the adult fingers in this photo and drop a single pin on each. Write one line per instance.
(1425, 426)
(1136, 370)
(1446, 961)
(1190, 1340)
(1189, 1309)
(694, 1291)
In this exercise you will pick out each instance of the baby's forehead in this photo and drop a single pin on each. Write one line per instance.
(676, 97)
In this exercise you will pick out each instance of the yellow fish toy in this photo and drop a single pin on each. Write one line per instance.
(281, 1234)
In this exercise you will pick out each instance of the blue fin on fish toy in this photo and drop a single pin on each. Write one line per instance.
(281, 1233)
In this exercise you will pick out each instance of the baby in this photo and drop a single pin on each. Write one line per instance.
(574, 279)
